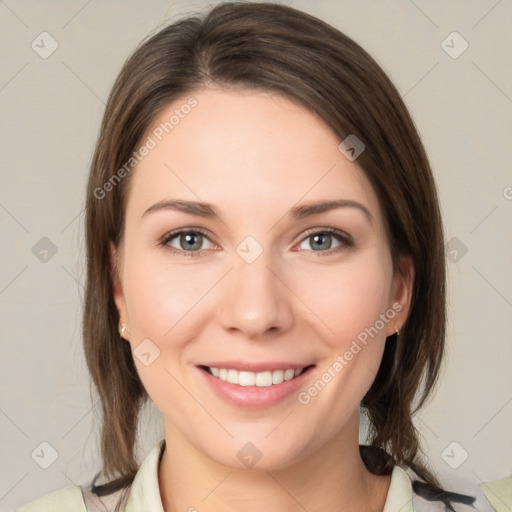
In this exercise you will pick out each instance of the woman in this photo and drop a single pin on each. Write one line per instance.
(265, 258)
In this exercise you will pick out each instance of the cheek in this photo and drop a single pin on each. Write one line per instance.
(352, 309)
(165, 305)
(158, 297)
(349, 298)
(160, 305)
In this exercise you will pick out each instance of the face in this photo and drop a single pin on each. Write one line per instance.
(252, 282)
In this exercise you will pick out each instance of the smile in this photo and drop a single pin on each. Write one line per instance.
(267, 386)
(258, 379)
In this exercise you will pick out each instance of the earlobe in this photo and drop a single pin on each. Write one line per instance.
(122, 331)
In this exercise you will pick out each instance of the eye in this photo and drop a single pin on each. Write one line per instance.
(320, 241)
(188, 242)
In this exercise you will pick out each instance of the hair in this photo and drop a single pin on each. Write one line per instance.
(274, 48)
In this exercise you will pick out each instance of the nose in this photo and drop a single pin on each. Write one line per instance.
(255, 299)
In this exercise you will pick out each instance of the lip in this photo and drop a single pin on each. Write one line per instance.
(255, 397)
(255, 367)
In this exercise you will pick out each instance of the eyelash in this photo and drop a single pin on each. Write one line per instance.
(340, 236)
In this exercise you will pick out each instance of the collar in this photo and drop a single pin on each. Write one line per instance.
(145, 491)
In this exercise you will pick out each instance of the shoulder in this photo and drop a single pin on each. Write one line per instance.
(106, 503)
(68, 499)
(499, 493)
(458, 496)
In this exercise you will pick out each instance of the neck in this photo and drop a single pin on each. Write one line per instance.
(332, 478)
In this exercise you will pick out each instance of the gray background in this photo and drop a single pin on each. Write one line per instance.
(51, 109)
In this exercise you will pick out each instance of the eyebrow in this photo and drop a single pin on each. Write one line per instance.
(207, 210)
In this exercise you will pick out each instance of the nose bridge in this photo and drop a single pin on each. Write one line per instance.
(255, 299)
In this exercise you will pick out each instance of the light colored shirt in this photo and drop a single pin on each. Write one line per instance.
(144, 494)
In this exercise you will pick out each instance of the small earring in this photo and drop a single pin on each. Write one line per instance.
(122, 330)
(397, 333)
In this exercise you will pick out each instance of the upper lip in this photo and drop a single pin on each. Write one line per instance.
(255, 367)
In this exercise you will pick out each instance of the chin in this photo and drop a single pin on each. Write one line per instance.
(258, 455)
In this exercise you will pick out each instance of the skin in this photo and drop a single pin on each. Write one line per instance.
(254, 155)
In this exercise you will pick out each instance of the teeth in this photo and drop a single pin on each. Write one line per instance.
(261, 379)
(277, 377)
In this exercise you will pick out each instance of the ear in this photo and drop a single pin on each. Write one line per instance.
(117, 287)
(400, 300)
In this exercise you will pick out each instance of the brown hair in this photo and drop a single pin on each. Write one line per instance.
(276, 48)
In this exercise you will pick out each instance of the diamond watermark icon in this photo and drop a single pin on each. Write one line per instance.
(351, 147)
(44, 45)
(454, 455)
(455, 249)
(454, 45)
(44, 250)
(249, 249)
(249, 455)
(146, 352)
(44, 455)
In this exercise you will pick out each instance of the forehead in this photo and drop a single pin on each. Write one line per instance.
(245, 149)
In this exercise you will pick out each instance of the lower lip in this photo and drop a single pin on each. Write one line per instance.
(255, 397)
